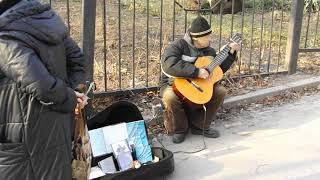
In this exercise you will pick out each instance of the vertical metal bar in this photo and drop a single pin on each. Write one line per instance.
(316, 33)
(232, 18)
(211, 19)
(174, 20)
(88, 34)
(294, 33)
(252, 27)
(119, 48)
(261, 35)
(280, 37)
(104, 21)
(161, 34)
(220, 33)
(242, 26)
(50, 2)
(271, 33)
(307, 32)
(134, 44)
(68, 16)
(147, 44)
(185, 21)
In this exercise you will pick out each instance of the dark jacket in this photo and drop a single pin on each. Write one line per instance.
(39, 68)
(179, 58)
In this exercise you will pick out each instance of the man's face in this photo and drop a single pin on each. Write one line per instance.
(202, 42)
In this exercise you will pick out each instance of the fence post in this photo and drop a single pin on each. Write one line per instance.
(294, 33)
(87, 43)
(88, 34)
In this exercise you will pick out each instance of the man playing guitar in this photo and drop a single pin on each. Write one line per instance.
(179, 62)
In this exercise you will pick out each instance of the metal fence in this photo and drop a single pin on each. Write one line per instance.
(130, 44)
(309, 40)
(298, 41)
(260, 45)
(125, 39)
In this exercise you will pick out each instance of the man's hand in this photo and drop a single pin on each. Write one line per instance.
(234, 47)
(203, 73)
(82, 99)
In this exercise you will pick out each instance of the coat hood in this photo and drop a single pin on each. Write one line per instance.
(34, 19)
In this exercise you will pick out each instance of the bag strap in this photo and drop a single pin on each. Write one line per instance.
(80, 122)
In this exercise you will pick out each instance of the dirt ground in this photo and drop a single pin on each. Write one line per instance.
(139, 67)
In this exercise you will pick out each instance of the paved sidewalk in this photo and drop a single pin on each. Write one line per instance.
(272, 143)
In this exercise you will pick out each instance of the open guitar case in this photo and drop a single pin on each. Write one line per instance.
(124, 111)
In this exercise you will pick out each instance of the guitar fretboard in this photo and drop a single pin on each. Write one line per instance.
(219, 58)
(224, 53)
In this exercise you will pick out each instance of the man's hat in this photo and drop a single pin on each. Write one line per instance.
(199, 27)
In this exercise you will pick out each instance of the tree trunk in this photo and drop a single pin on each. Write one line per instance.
(227, 6)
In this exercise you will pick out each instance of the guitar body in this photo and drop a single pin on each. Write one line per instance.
(198, 91)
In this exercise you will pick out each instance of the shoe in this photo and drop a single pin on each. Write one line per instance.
(210, 133)
(178, 137)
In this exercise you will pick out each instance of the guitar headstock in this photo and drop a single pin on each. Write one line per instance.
(237, 38)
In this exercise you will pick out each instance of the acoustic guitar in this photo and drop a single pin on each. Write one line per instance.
(200, 91)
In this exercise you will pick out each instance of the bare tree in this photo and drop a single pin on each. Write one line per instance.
(227, 6)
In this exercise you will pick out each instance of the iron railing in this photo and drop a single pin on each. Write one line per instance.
(131, 35)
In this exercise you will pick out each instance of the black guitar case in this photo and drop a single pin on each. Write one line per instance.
(124, 111)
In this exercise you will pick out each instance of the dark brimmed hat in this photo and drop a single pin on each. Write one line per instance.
(199, 27)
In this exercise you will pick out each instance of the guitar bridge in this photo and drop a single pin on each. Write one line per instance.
(195, 85)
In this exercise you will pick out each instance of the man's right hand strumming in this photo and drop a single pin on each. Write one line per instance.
(203, 73)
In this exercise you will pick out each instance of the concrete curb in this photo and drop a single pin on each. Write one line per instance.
(273, 91)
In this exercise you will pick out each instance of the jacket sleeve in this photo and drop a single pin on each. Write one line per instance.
(173, 65)
(21, 64)
(75, 63)
(226, 64)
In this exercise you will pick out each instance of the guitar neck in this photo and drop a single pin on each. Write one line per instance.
(223, 54)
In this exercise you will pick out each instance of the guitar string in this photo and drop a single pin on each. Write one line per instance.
(219, 59)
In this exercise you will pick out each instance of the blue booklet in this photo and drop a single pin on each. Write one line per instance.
(137, 136)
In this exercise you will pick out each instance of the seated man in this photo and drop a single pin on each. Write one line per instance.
(178, 61)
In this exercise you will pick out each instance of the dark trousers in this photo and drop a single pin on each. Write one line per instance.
(179, 115)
